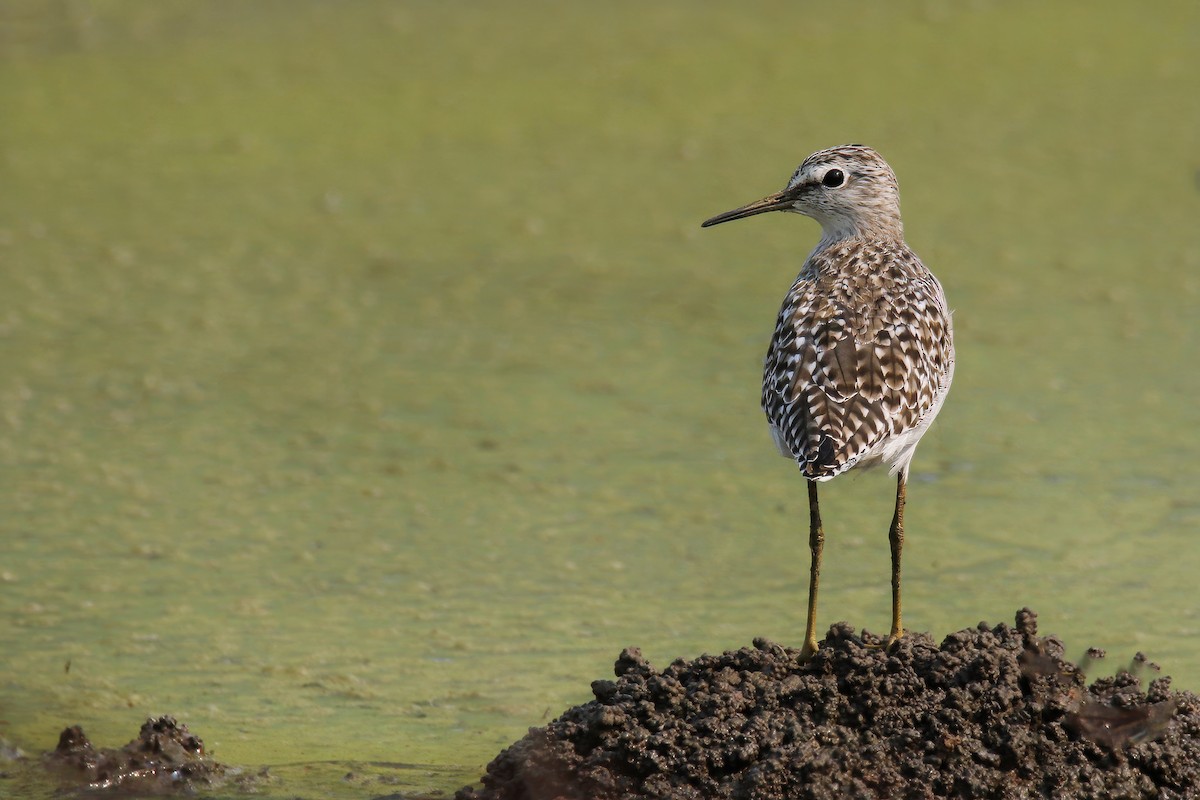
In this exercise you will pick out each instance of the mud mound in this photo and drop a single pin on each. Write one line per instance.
(990, 713)
(165, 757)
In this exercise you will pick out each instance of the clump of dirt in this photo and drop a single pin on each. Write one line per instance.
(989, 713)
(165, 757)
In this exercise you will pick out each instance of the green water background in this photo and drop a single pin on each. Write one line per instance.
(366, 382)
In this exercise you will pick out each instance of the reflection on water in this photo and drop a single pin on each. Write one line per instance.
(366, 376)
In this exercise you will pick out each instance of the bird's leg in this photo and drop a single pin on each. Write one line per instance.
(896, 539)
(816, 540)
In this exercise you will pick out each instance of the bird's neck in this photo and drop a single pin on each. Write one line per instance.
(878, 229)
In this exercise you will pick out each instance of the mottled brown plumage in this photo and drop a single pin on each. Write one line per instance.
(863, 354)
(861, 357)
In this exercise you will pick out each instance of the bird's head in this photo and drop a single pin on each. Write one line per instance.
(850, 190)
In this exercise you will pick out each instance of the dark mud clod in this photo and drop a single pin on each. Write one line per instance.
(993, 712)
(164, 757)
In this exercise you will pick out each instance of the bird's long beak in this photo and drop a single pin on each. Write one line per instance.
(779, 201)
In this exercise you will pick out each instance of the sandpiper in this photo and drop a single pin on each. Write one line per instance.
(863, 351)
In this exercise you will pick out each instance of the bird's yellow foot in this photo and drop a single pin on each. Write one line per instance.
(809, 649)
(887, 643)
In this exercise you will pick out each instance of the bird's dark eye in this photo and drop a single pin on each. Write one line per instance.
(834, 178)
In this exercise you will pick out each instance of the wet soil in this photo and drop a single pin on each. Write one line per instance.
(164, 758)
(991, 712)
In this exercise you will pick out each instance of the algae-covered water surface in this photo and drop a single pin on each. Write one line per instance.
(368, 383)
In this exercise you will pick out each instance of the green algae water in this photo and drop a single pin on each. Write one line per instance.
(368, 383)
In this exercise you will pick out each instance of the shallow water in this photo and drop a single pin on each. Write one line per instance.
(368, 383)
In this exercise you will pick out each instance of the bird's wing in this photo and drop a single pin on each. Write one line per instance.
(859, 355)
